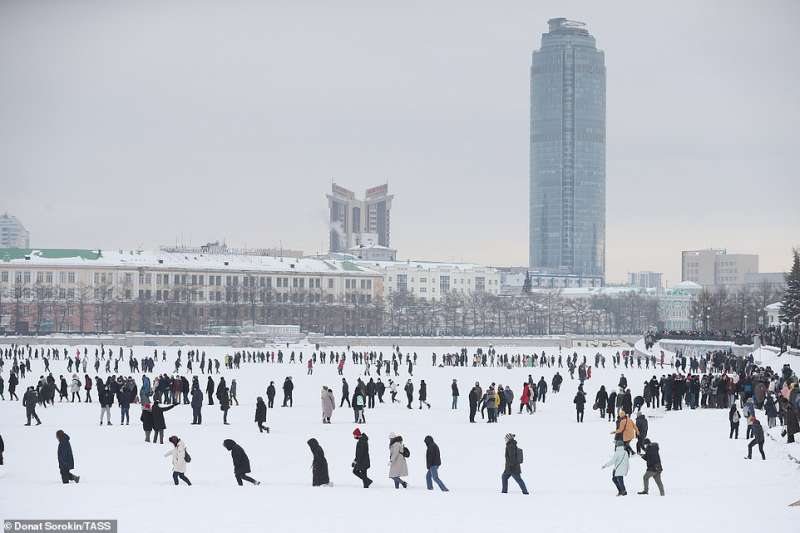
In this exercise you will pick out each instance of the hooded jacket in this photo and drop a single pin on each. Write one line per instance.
(261, 411)
(432, 455)
(178, 453)
(65, 460)
(319, 465)
(241, 463)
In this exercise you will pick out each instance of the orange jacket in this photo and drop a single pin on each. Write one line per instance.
(627, 428)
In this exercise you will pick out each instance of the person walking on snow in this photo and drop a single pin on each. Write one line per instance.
(29, 400)
(397, 460)
(328, 404)
(433, 460)
(620, 463)
(423, 394)
(261, 415)
(361, 462)
(513, 462)
(65, 460)
(179, 459)
(319, 465)
(241, 463)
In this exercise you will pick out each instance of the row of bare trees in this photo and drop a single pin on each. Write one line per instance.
(723, 310)
(100, 309)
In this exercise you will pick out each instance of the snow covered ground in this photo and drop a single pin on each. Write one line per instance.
(708, 483)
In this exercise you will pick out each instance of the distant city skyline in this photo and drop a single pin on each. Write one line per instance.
(227, 133)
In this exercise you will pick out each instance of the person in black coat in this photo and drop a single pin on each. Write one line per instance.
(600, 401)
(159, 424)
(627, 403)
(288, 387)
(147, 421)
(512, 465)
(197, 407)
(423, 394)
(223, 397)
(580, 404)
(319, 465)
(65, 459)
(653, 460)
(454, 394)
(210, 388)
(474, 397)
(2, 449)
(345, 394)
(361, 463)
(433, 460)
(611, 405)
(641, 426)
(271, 395)
(261, 415)
(241, 463)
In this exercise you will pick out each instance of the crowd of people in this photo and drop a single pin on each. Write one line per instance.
(714, 380)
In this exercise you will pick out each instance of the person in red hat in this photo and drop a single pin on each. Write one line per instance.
(361, 462)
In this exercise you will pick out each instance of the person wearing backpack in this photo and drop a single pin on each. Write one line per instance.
(359, 401)
(397, 460)
(433, 460)
(514, 459)
(179, 459)
(734, 417)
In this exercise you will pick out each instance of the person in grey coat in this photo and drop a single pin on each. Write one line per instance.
(328, 404)
(397, 460)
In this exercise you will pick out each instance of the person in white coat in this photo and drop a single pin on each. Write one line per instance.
(328, 405)
(397, 460)
(179, 460)
(75, 388)
(620, 463)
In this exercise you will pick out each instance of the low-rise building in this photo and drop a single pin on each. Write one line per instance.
(675, 306)
(99, 290)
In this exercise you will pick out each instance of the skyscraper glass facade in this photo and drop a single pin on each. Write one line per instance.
(567, 154)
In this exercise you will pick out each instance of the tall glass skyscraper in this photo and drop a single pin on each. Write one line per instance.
(568, 152)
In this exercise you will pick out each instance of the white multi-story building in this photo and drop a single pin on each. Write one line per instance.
(88, 282)
(12, 233)
(432, 281)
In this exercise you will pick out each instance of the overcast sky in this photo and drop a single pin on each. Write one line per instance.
(134, 124)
